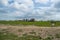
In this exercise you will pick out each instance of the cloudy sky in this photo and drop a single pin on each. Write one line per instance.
(38, 9)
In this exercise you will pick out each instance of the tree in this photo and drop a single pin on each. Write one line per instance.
(32, 20)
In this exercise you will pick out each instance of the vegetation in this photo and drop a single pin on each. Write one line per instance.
(36, 23)
(57, 35)
(4, 35)
(11, 36)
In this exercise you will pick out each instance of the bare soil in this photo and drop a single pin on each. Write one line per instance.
(42, 31)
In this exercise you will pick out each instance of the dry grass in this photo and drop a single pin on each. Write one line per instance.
(42, 31)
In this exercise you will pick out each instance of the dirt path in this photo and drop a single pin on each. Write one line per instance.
(43, 31)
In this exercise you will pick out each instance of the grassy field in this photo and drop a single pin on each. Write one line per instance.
(35, 23)
(42, 30)
(18, 32)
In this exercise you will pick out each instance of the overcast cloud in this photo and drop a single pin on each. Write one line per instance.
(38, 9)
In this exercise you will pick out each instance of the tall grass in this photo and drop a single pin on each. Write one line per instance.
(36, 23)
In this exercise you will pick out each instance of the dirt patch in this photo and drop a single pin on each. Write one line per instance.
(32, 30)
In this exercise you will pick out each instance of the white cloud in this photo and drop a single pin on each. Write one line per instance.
(4, 2)
(42, 1)
(27, 8)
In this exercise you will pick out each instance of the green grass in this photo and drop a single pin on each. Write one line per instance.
(57, 35)
(7, 36)
(36, 23)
